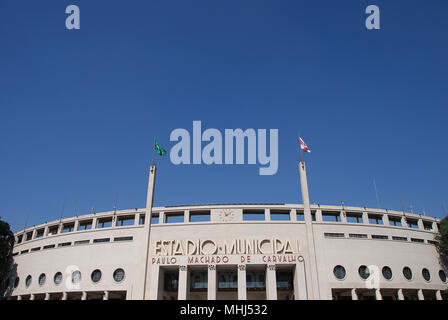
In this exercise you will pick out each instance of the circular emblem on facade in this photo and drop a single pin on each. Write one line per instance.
(226, 215)
(300, 259)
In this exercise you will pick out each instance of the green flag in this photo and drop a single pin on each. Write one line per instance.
(159, 149)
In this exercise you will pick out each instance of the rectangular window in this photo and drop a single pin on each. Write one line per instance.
(125, 221)
(334, 235)
(417, 240)
(378, 236)
(432, 242)
(53, 230)
(39, 233)
(358, 235)
(427, 225)
(20, 238)
(393, 221)
(412, 223)
(280, 215)
(253, 215)
(85, 225)
(141, 220)
(24, 251)
(300, 216)
(174, 217)
(68, 227)
(35, 249)
(101, 240)
(123, 239)
(104, 223)
(331, 216)
(64, 244)
(49, 246)
(155, 220)
(375, 219)
(29, 236)
(399, 238)
(354, 217)
(81, 242)
(313, 216)
(199, 216)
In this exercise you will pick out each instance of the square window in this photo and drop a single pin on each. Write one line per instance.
(199, 216)
(177, 217)
(253, 215)
(280, 215)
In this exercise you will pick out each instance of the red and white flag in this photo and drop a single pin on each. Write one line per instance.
(303, 145)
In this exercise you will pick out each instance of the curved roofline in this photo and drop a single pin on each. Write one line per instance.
(238, 205)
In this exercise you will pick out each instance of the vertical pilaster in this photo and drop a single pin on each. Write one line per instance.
(404, 223)
(271, 283)
(354, 294)
(154, 287)
(400, 294)
(385, 219)
(32, 297)
(293, 215)
(434, 227)
(318, 215)
(106, 295)
(161, 217)
(84, 295)
(46, 231)
(267, 214)
(183, 283)
(300, 291)
(211, 282)
(76, 226)
(365, 218)
(420, 295)
(438, 295)
(186, 216)
(420, 224)
(47, 296)
(378, 295)
(343, 216)
(64, 296)
(242, 290)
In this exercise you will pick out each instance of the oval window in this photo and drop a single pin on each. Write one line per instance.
(426, 275)
(28, 281)
(119, 275)
(339, 272)
(57, 278)
(387, 273)
(407, 273)
(42, 279)
(364, 272)
(96, 276)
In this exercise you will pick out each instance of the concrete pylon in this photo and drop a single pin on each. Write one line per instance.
(312, 285)
(147, 228)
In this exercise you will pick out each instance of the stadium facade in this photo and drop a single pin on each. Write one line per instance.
(245, 252)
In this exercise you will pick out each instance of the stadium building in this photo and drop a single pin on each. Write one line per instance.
(244, 252)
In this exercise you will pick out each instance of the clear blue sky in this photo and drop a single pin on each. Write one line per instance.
(79, 109)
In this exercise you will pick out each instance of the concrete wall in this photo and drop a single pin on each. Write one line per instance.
(227, 224)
